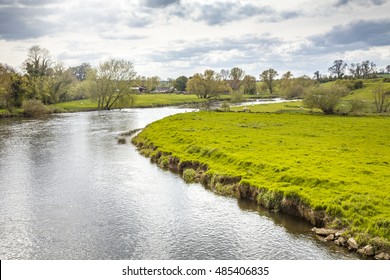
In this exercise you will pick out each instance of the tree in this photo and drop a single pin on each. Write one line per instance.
(388, 69)
(317, 75)
(367, 68)
(207, 85)
(80, 71)
(356, 70)
(381, 99)
(268, 77)
(338, 68)
(180, 83)
(112, 79)
(325, 98)
(225, 73)
(236, 76)
(249, 84)
(12, 88)
(38, 61)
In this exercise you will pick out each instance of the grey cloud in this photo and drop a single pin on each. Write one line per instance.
(160, 3)
(28, 2)
(357, 35)
(224, 12)
(359, 2)
(23, 23)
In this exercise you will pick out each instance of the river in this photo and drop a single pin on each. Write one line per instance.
(68, 190)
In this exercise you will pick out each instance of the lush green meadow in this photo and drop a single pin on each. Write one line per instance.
(140, 101)
(332, 163)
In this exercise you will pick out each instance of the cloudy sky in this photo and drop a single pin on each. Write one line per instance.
(169, 38)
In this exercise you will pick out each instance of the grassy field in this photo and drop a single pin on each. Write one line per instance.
(333, 163)
(141, 101)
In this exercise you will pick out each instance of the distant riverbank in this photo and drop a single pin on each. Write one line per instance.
(140, 101)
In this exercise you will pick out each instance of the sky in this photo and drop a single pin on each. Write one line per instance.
(171, 38)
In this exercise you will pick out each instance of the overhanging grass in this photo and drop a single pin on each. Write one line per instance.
(333, 163)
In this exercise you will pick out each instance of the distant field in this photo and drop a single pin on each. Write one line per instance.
(141, 101)
(333, 163)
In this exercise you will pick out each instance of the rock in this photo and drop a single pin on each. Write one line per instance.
(342, 241)
(352, 244)
(121, 141)
(339, 233)
(330, 237)
(382, 256)
(324, 231)
(337, 242)
(368, 250)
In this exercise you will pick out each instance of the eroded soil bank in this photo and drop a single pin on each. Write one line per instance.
(324, 225)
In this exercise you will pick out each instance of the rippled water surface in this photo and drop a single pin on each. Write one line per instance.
(68, 190)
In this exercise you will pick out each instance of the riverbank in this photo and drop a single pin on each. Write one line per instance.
(141, 101)
(329, 170)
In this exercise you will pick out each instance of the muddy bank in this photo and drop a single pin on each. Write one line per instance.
(324, 225)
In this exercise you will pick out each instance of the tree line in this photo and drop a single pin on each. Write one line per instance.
(114, 81)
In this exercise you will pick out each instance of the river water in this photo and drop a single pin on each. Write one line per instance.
(68, 190)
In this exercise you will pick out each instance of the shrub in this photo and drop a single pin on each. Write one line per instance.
(189, 175)
(34, 108)
(225, 106)
(237, 96)
(325, 98)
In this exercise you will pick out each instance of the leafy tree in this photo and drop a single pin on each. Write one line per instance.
(388, 68)
(295, 87)
(180, 83)
(62, 82)
(324, 97)
(80, 71)
(111, 82)
(268, 77)
(207, 85)
(338, 68)
(5, 87)
(150, 83)
(236, 76)
(249, 84)
(38, 61)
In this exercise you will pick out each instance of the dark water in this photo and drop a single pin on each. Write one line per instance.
(69, 191)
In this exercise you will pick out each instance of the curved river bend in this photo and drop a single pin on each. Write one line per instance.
(69, 191)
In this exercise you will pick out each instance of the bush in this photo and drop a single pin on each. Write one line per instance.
(189, 175)
(237, 96)
(225, 106)
(34, 108)
(325, 98)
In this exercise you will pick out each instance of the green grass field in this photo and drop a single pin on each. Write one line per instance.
(333, 163)
(141, 101)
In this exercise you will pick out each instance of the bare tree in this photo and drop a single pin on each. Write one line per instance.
(225, 73)
(381, 99)
(356, 70)
(338, 68)
(236, 76)
(368, 68)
